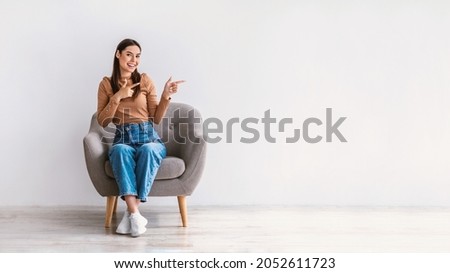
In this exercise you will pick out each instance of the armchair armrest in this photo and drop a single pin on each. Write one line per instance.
(193, 150)
(96, 152)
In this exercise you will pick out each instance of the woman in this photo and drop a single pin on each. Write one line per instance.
(129, 100)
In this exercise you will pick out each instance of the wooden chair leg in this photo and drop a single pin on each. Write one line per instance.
(115, 205)
(111, 202)
(183, 209)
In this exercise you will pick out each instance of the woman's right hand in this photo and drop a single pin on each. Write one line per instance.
(126, 91)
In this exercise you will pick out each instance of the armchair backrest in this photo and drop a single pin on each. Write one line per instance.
(182, 123)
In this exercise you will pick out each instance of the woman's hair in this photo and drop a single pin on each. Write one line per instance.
(115, 77)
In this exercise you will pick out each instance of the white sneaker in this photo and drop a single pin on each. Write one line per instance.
(124, 227)
(138, 223)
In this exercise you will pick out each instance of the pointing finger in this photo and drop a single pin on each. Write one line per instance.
(178, 82)
(136, 84)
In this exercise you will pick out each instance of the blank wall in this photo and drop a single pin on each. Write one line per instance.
(384, 65)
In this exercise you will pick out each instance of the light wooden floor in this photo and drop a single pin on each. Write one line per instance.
(230, 229)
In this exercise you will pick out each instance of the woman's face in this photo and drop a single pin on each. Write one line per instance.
(129, 59)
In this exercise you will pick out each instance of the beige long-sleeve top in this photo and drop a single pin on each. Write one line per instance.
(144, 107)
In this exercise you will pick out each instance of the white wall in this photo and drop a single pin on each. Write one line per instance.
(385, 65)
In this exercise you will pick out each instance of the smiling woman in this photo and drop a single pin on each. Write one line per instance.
(129, 100)
(127, 58)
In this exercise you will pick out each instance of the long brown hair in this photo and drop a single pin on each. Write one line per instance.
(115, 77)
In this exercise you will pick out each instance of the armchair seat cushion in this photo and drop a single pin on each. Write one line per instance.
(171, 167)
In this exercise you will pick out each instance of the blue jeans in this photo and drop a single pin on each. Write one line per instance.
(135, 157)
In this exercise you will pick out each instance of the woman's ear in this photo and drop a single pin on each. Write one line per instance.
(117, 54)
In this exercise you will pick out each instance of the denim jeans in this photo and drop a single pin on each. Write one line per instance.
(135, 157)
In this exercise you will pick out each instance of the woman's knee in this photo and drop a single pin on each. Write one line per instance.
(153, 148)
(121, 149)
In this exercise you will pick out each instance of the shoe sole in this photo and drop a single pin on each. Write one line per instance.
(138, 234)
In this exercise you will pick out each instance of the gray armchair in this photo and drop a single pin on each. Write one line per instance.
(179, 173)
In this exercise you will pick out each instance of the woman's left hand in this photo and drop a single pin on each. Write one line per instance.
(171, 88)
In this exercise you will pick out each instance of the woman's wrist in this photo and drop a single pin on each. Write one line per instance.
(166, 96)
(116, 98)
